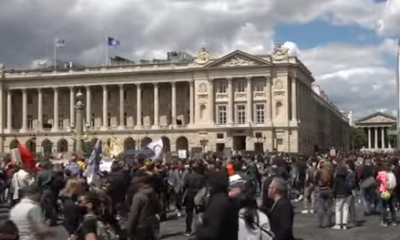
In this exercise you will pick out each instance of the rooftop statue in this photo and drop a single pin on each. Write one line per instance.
(203, 56)
(280, 53)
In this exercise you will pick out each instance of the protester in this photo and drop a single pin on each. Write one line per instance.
(143, 219)
(220, 219)
(27, 215)
(281, 214)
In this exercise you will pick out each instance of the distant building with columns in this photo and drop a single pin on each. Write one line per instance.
(238, 101)
(376, 126)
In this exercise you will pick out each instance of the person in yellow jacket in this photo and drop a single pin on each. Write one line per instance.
(81, 163)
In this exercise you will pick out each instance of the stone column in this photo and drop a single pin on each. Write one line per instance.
(249, 101)
(383, 130)
(138, 106)
(376, 138)
(105, 109)
(88, 106)
(294, 98)
(40, 109)
(121, 108)
(173, 103)
(211, 101)
(369, 138)
(9, 110)
(230, 102)
(269, 99)
(55, 118)
(191, 102)
(72, 106)
(156, 107)
(24, 110)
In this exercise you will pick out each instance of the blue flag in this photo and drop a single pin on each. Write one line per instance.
(113, 42)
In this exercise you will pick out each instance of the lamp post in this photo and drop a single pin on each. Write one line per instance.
(203, 143)
(78, 129)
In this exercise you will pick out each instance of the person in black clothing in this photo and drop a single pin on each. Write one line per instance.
(45, 181)
(220, 219)
(71, 211)
(396, 172)
(267, 202)
(368, 186)
(90, 208)
(193, 183)
(281, 215)
(118, 188)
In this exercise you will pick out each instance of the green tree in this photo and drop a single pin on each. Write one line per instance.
(87, 147)
(358, 138)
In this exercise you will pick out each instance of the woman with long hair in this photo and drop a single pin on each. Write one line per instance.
(69, 196)
(253, 224)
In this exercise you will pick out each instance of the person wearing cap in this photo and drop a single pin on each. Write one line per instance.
(281, 214)
(27, 215)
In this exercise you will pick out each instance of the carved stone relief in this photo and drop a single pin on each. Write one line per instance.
(279, 93)
(203, 97)
(238, 61)
(259, 94)
(202, 88)
(378, 119)
(240, 95)
(278, 85)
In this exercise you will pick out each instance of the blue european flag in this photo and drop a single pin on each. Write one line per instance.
(113, 42)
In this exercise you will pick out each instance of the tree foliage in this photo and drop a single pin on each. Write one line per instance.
(358, 138)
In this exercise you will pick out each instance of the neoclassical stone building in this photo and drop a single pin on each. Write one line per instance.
(376, 126)
(239, 101)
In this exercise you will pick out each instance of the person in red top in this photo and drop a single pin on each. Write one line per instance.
(230, 169)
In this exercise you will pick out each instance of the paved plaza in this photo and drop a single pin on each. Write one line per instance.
(305, 229)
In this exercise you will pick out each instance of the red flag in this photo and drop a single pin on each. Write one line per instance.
(26, 156)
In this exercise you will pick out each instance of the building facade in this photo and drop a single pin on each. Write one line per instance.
(376, 126)
(239, 101)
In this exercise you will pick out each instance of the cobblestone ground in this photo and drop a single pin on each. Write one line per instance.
(305, 229)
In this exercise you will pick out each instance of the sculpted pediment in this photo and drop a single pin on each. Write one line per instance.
(237, 58)
(378, 118)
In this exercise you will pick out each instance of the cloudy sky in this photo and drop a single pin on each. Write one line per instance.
(349, 45)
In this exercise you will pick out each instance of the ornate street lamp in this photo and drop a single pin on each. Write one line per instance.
(203, 143)
(78, 131)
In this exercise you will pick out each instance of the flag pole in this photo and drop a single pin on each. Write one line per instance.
(55, 54)
(398, 95)
(106, 51)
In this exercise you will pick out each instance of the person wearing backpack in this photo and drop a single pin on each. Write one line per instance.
(92, 227)
(387, 183)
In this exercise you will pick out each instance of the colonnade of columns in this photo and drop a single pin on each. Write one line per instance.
(374, 135)
(104, 107)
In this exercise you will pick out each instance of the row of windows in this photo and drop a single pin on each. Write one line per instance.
(259, 86)
(241, 114)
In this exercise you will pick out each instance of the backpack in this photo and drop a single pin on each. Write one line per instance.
(390, 181)
(103, 231)
(350, 181)
(201, 197)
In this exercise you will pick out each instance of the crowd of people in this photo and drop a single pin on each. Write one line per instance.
(238, 198)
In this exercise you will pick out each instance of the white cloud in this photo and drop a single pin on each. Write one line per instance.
(353, 76)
